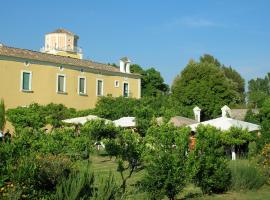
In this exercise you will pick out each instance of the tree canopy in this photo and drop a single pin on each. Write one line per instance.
(205, 84)
(152, 83)
(258, 91)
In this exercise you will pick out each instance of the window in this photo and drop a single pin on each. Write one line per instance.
(82, 85)
(116, 83)
(125, 90)
(61, 83)
(99, 87)
(26, 81)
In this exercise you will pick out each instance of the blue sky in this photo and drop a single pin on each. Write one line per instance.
(153, 33)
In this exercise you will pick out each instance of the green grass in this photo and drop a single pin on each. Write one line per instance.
(261, 194)
(102, 166)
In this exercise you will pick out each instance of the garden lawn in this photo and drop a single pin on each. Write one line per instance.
(102, 166)
(261, 194)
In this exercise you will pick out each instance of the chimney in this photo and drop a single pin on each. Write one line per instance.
(226, 111)
(197, 113)
(125, 65)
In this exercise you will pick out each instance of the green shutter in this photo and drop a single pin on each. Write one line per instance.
(26, 81)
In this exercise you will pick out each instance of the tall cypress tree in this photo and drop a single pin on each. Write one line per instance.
(2, 115)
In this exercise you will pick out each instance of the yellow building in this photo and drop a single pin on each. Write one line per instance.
(58, 74)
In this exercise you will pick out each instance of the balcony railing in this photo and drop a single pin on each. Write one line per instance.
(68, 49)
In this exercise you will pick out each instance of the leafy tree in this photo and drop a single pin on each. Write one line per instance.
(55, 113)
(100, 129)
(37, 116)
(22, 117)
(252, 117)
(166, 161)
(204, 84)
(152, 83)
(264, 117)
(237, 136)
(208, 162)
(2, 115)
(206, 58)
(130, 147)
(258, 91)
(236, 79)
(114, 108)
(135, 68)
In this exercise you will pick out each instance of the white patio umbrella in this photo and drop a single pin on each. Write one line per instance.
(81, 120)
(125, 122)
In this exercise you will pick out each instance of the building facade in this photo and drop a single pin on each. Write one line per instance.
(58, 74)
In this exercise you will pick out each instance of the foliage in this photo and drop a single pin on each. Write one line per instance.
(208, 163)
(51, 169)
(264, 161)
(55, 113)
(37, 116)
(114, 108)
(205, 85)
(252, 117)
(237, 136)
(144, 116)
(112, 148)
(236, 79)
(152, 83)
(22, 117)
(35, 175)
(100, 129)
(246, 175)
(2, 115)
(252, 150)
(264, 116)
(34, 161)
(129, 148)
(165, 161)
(258, 91)
(82, 184)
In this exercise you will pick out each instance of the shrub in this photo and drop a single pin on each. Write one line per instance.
(112, 148)
(99, 129)
(83, 185)
(264, 161)
(165, 161)
(208, 163)
(50, 169)
(37, 116)
(245, 175)
(114, 108)
(22, 117)
(252, 150)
